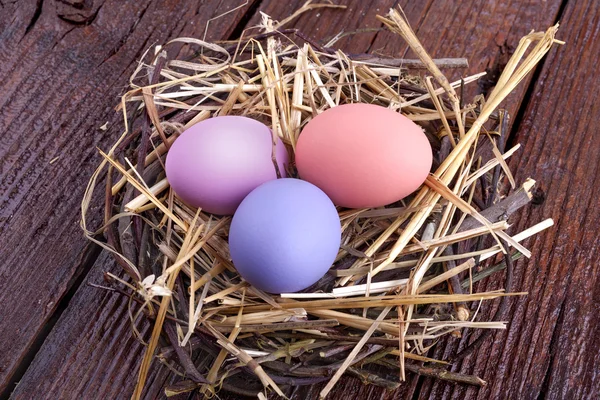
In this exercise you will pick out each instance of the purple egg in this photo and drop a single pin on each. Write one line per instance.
(217, 162)
(284, 236)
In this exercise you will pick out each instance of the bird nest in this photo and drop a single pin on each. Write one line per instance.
(404, 274)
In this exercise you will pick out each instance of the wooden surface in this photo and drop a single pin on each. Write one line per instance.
(62, 69)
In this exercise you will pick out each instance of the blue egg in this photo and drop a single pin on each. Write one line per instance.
(284, 236)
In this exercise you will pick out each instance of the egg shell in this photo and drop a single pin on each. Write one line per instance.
(363, 155)
(215, 163)
(284, 236)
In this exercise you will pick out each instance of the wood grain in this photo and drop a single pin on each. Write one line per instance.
(61, 78)
(54, 349)
(485, 32)
(550, 348)
(70, 370)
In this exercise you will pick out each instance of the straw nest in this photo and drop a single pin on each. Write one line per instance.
(404, 274)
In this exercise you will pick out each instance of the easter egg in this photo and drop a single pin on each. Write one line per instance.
(284, 236)
(363, 155)
(215, 163)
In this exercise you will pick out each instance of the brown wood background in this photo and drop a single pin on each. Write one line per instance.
(63, 66)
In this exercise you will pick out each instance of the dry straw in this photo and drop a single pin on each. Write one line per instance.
(406, 272)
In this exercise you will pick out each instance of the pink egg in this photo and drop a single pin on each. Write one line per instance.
(363, 155)
(217, 162)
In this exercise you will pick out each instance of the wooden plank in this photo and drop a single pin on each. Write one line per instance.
(324, 24)
(62, 70)
(47, 367)
(70, 368)
(551, 347)
(484, 32)
(347, 387)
